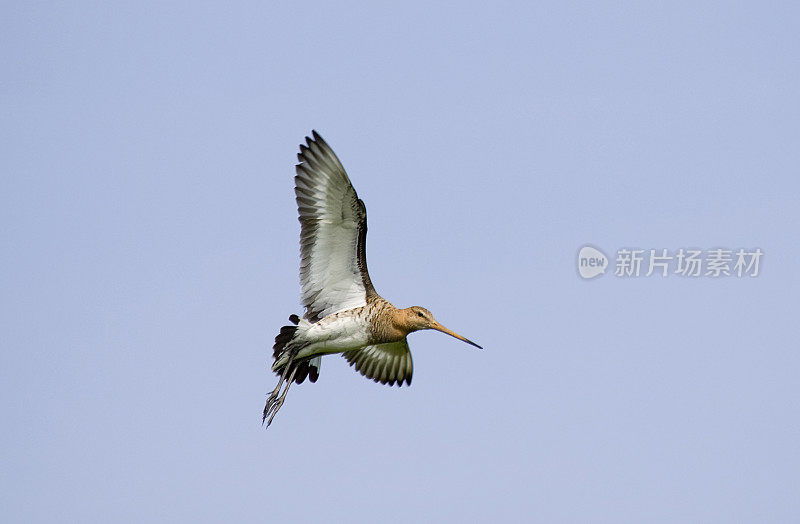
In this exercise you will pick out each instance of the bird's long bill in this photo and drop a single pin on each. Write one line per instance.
(439, 327)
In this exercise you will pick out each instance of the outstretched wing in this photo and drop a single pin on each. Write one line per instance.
(385, 363)
(333, 234)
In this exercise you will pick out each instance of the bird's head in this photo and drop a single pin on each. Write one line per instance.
(415, 318)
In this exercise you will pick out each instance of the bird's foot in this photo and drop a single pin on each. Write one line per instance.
(271, 409)
(276, 398)
(271, 401)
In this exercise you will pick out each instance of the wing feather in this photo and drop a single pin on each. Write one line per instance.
(388, 363)
(333, 232)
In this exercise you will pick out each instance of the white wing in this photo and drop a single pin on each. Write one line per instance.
(333, 234)
(384, 363)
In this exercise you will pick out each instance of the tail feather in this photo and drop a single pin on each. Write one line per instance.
(307, 368)
(313, 368)
(282, 340)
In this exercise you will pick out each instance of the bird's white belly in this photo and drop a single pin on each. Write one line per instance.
(334, 334)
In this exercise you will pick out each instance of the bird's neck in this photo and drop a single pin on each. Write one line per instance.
(388, 324)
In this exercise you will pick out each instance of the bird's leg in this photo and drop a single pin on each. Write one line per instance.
(273, 402)
(273, 397)
(275, 407)
(275, 392)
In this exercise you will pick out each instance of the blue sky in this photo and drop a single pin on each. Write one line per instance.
(150, 252)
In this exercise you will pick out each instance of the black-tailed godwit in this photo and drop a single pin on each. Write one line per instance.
(344, 314)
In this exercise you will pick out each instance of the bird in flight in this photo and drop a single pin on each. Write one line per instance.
(343, 312)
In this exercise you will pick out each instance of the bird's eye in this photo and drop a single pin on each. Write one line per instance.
(420, 314)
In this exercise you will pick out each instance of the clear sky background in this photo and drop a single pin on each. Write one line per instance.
(150, 252)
